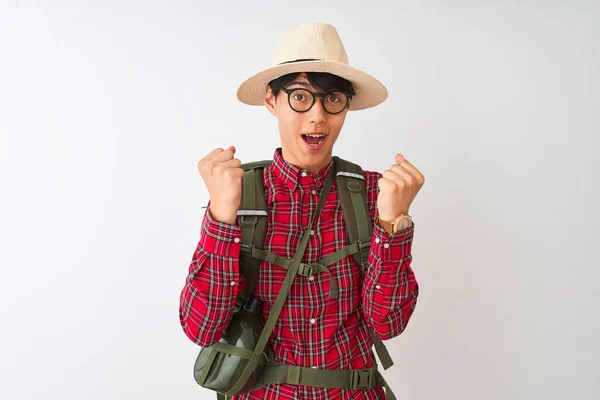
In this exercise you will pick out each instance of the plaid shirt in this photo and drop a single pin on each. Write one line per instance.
(313, 330)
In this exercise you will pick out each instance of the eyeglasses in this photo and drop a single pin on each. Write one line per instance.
(301, 100)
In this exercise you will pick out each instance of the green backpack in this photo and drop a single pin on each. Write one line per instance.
(246, 363)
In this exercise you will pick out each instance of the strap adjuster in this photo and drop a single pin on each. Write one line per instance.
(246, 249)
(364, 245)
(305, 269)
(362, 379)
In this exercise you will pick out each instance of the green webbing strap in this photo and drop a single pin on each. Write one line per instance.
(340, 254)
(363, 220)
(353, 199)
(281, 297)
(248, 225)
(304, 269)
(253, 227)
(382, 352)
(277, 373)
(233, 350)
(211, 358)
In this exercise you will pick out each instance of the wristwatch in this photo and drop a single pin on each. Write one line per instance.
(399, 223)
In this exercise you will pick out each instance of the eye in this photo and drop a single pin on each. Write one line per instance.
(333, 98)
(299, 97)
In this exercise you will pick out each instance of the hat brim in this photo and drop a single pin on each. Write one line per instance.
(369, 91)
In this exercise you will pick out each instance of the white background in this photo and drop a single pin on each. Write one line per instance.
(106, 107)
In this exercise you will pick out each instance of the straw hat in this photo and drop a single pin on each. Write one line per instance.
(312, 47)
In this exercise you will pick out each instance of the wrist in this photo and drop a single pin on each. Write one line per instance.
(400, 222)
(224, 216)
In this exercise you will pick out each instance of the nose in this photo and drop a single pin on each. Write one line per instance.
(317, 113)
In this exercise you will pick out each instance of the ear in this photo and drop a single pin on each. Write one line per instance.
(270, 101)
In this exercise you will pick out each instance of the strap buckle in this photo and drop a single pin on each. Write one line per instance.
(363, 251)
(246, 253)
(305, 269)
(362, 379)
(364, 245)
(246, 249)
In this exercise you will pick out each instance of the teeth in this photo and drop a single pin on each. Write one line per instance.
(316, 136)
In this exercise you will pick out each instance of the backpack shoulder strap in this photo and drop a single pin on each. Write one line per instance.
(253, 219)
(353, 198)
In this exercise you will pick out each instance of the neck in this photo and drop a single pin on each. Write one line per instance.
(313, 167)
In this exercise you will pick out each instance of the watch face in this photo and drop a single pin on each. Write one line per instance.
(404, 223)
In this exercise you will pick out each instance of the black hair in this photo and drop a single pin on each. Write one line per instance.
(321, 80)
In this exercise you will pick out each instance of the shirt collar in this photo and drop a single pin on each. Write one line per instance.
(293, 176)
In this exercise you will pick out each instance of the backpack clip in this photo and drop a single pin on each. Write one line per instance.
(305, 270)
(362, 379)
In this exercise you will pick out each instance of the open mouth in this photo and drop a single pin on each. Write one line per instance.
(314, 140)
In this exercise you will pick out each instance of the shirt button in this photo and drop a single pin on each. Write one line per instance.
(315, 367)
(313, 321)
(377, 240)
(313, 191)
(312, 232)
(236, 240)
(387, 245)
(311, 278)
(303, 174)
(377, 287)
(232, 283)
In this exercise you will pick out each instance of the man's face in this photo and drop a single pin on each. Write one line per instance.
(294, 127)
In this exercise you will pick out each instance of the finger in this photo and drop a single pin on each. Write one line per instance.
(408, 168)
(391, 175)
(386, 185)
(399, 158)
(233, 163)
(213, 154)
(401, 172)
(226, 155)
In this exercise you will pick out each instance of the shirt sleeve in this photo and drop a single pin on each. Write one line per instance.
(390, 289)
(208, 298)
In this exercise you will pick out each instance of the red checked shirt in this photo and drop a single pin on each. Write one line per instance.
(313, 330)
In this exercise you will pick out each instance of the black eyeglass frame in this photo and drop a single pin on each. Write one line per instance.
(314, 99)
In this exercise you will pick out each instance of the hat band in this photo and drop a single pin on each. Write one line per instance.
(299, 60)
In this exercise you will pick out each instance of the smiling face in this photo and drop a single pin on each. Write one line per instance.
(307, 138)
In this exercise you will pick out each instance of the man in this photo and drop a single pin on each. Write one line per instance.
(309, 89)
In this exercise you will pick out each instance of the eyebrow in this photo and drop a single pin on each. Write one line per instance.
(301, 83)
(307, 85)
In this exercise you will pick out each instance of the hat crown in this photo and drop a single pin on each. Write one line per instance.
(310, 41)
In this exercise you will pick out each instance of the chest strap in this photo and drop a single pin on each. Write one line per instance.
(303, 269)
(307, 269)
(277, 373)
